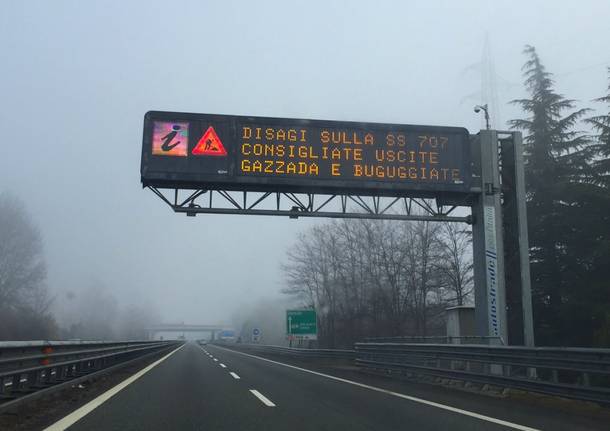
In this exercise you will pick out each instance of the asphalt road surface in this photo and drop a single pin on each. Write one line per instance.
(212, 388)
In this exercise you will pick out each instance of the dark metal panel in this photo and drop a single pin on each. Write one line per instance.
(296, 155)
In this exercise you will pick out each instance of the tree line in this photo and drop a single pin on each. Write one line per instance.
(376, 278)
(27, 309)
(371, 278)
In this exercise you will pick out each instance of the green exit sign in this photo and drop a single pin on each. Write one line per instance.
(301, 324)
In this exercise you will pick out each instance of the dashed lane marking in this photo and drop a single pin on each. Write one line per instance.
(266, 401)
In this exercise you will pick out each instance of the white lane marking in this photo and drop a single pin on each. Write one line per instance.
(79, 413)
(266, 401)
(396, 394)
(223, 365)
(215, 360)
(235, 376)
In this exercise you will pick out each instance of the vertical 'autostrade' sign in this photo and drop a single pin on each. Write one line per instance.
(292, 155)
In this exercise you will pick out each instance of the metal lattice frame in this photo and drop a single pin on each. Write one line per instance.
(295, 205)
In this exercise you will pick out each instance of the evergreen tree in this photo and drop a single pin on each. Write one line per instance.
(599, 268)
(601, 124)
(557, 164)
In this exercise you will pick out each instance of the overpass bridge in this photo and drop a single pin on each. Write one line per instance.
(174, 331)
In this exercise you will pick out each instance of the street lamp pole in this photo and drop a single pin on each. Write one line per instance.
(485, 109)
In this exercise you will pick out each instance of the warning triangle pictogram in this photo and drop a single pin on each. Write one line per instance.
(209, 145)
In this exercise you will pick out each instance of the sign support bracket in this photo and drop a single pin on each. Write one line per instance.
(291, 205)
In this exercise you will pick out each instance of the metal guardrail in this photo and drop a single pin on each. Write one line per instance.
(441, 339)
(29, 370)
(567, 372)
(576, 373)
(295, 352)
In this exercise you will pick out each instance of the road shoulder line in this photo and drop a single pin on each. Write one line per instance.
(83, 411)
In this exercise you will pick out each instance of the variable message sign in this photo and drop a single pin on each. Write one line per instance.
(301, 324)
(203, 151)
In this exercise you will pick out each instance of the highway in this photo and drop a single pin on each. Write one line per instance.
(213, 388)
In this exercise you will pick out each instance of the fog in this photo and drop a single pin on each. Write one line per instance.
(77, 78)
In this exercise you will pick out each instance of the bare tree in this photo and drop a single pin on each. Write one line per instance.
(134, 320)
(24, 301)
(92, 313)
(421, 280)
(22, 266)
(310, 277)
(455, 263)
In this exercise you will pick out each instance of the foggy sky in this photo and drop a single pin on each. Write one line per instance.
(77, 77)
